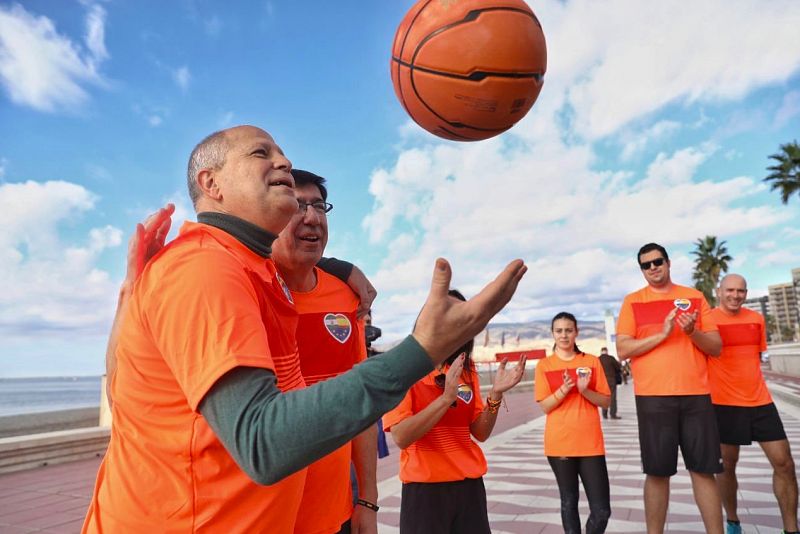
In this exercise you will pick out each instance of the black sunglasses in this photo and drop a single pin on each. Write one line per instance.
(439, 380)
(658, 262)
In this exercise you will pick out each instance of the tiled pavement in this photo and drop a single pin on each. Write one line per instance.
(522, 494)
(523, 497)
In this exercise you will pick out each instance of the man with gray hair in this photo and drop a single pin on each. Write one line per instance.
(743, 405)
(213, 425)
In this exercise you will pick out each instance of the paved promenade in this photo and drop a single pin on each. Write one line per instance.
(522, 494)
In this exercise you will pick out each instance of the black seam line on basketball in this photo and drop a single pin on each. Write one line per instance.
(475, 76)
(402, 47)
(471, 17)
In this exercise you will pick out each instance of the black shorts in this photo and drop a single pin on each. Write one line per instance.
(742, 425)
(444, 508)
(669, 422)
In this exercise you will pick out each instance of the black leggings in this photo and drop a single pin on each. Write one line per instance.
(594, 475)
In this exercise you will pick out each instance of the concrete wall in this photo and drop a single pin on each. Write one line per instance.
(785, 358)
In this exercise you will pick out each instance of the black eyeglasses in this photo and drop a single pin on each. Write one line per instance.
(658, 262)
(439, 380)
(320, 206)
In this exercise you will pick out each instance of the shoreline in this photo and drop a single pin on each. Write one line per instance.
(38, 422)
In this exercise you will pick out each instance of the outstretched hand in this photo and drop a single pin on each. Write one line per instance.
(445, 323)
(147, 241)
(505, 379)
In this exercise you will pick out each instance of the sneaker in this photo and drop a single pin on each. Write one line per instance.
(733, 528)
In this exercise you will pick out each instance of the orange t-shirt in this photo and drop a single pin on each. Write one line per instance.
(447, 452)
(331, 341)
(573, 427)
(735, 377)
(205, 305)
(676, 366)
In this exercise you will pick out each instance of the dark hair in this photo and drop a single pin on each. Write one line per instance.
(650, 247)
(467, 347)
(302, 177)
(569, 317)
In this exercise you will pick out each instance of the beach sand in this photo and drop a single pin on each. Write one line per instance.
(35, 423)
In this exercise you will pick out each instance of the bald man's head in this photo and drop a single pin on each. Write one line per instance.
(732, 292)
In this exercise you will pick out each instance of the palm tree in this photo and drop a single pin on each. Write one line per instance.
(711, 260)
(785, 174)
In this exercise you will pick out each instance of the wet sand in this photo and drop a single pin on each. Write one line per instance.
(35, 423)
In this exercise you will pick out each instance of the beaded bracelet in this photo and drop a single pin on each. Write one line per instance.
(493, 405)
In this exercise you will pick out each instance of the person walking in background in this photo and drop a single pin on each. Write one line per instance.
(667, 330)
(743, 405)
(613, 371)
(569, 386)
(441, 466)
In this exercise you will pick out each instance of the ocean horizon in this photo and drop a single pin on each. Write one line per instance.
(30, 395)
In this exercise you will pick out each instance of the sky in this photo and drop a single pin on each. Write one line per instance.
(655, 123)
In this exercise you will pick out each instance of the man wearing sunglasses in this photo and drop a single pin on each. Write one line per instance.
(331, 341)
(666, 331)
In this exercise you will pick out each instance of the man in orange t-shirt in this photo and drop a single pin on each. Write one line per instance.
(213, 427)
(742, 402)
(666, 330)
(330, 341)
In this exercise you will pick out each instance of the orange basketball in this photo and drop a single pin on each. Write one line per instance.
(468, 70)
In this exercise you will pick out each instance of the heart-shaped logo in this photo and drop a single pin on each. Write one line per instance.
(683, 304)
(338, 325)
(465, 393)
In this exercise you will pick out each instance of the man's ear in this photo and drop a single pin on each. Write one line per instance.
(207, 183)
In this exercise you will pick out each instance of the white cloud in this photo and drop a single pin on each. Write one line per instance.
(3, 164)
(43, 69)
(182, 77)
(154, 120)
(635, 142)
(49, 285)
(543, 192)
(624, 59)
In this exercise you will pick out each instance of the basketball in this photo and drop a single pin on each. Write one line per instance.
(468, 70)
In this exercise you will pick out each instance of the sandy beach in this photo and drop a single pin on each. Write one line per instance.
(35, 423)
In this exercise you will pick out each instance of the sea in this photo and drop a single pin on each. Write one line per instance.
(37, 395)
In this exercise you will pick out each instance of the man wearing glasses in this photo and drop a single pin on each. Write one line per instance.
(666, 330)
(213, 425)
(331, 341)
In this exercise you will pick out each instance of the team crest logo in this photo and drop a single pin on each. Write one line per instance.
(338, 326)
(683, 304)
(465, 393)
(285, 288)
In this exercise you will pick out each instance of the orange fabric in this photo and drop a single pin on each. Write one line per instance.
(331, 341)
(735, 377)
(573, 427)
(447, 452)
(204, 305)
(676, 366)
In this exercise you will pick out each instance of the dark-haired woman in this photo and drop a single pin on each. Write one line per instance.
(441, 466)
(569, 387)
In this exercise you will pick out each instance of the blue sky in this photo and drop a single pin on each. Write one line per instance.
(654, 123)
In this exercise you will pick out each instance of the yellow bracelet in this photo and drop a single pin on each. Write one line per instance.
(493, 405)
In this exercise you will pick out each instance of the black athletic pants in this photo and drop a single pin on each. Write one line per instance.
(594, 475)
